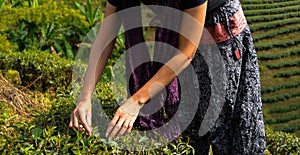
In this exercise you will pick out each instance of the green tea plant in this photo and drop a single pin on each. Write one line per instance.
(271, 33)
(273, 24)
(281, 97)
(263, 1)
(2, 2)
(6, 45)
(252, 6)
(92, 15)
(280, 87)
(53, 26)
(283, 109)
(271, 10)
(278, 53)
(48, 132)
(40, 70)
(282, 143)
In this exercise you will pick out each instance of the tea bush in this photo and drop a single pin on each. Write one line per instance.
(6, 45)
(284, 109)
(282, 143)
(273, 24)
(286, 74)
(275, 32)
(48, 132)
(281, 97)
(252, 6)
(271, 11)
(278, 53)
(53, 26)
(282, 119)
(40, 70)
(280, 87)
(289, 63)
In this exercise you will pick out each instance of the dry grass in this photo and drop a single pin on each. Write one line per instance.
(19, 98)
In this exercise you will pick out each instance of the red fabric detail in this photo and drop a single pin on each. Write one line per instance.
(219, 33)
(237, 54)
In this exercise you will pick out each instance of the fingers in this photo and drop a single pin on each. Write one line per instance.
(79, 120)
(117, 127)
(124, 128)
(130, 127)
(83, 120)
(89, 119)
(75, 120)
(120, 124)
(71, 121)
(112, 124)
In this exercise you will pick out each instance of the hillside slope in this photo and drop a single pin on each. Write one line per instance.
(275, 25)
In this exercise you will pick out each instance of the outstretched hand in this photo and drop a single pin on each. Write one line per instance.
(124, 118)
(81, 117)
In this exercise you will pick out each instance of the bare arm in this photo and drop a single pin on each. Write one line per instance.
(125, 116)
(173, 67)
(100, 52)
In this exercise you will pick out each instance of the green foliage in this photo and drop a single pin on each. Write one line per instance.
(59, 27)
(13, 76)
(282, 143)
(273, 24)
(40, 70)
(22, 3)
(288, 127)
(272, 17)
(283, 41)
(280, 87)
(92, 15)
(6, 45)
(52, 26)
(286, 74)
(272, 11)
(280, 97)
(283, 119)
(48, 132)
(285, 108)
(263, 1)
(275, 32)
(2, 2)
(290, 63)
(291, 51)
(33, 3)
(252, 6)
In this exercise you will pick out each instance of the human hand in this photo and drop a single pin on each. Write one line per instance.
(124, 118)
(81, 117)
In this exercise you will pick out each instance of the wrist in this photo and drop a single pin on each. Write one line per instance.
(84, 98)
(139, 99)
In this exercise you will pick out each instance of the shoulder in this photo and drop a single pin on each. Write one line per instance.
(187, 4)
(115, 3)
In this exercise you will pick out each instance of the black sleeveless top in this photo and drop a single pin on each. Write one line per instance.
(186, 4)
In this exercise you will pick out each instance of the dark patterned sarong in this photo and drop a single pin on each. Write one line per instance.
(239, 129)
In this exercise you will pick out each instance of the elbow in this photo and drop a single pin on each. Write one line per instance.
(191, 55)
(189, 51)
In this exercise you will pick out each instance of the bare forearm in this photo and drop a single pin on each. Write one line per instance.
(95, 69)
(176, 64)
(162, 78)
(100, 52)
